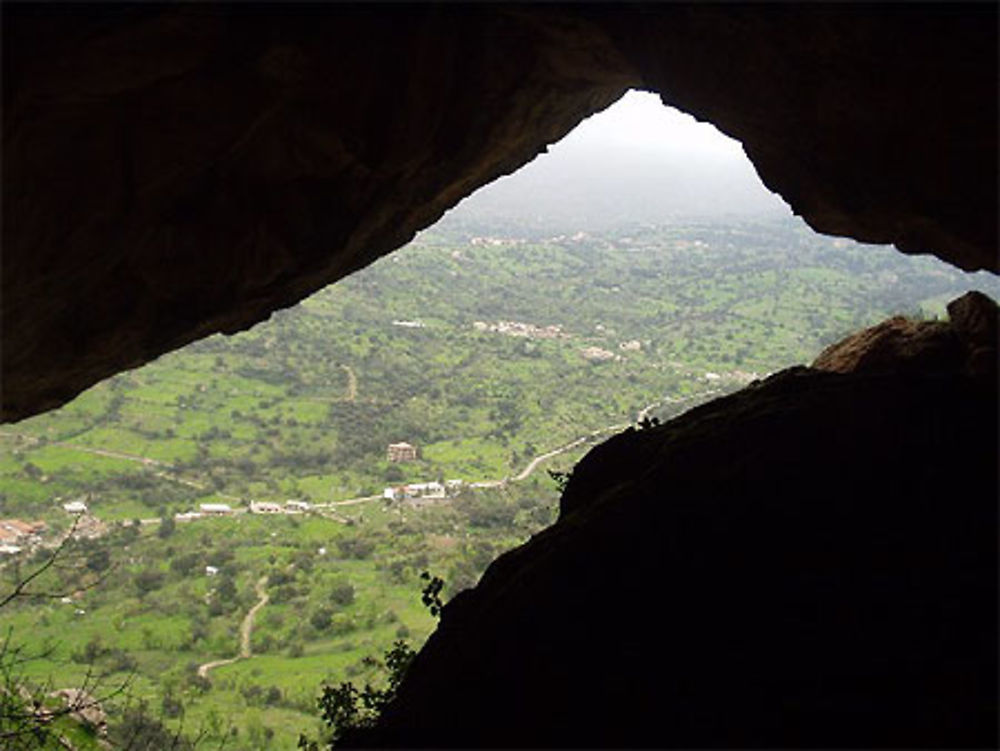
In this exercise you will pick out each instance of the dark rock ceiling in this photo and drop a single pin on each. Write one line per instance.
(174, 171)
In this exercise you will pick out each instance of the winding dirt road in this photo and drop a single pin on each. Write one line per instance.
(349, 396)
(246, 629)
(352, 384)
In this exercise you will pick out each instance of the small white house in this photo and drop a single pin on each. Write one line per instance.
(75, 507)
(391, 494)
(302, 506)
(215, 508)
(423, 490)
(434, 490)
(265, 507)
(211, 570)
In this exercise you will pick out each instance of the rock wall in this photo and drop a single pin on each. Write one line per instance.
(174, 171)
(810, 562)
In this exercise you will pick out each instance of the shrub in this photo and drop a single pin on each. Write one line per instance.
(355, 547)
(172, 706)
(321, 618)
(148, 581)
(185, 564)
(166, 527)
(99, 560)
(342, 594)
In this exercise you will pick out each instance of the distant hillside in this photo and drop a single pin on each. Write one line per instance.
(602, 191)
(636, 162)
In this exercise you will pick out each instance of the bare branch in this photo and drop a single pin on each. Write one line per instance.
(19, 588)
(57, 553)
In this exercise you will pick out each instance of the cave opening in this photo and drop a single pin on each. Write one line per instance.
(416, 407)
(809, 561)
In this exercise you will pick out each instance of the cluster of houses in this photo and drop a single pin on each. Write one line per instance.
(495, 241)
(289, 507)
(424, 491)
(256, 507)
(16, 535)
(517, 328)
(86, 526)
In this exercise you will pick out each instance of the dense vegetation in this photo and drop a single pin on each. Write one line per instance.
(617, 326)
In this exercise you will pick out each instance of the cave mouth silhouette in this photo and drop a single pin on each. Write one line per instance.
(239, 162)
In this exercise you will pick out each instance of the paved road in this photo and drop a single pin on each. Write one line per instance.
(350, 501)
(533, 464)
(350, 396)
(644, 412)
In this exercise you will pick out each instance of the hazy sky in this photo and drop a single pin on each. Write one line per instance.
(637, 161)
(639, 121)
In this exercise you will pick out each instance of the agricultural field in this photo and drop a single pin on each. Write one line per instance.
(489, 348)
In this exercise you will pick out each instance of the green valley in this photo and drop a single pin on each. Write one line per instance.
(251, 472)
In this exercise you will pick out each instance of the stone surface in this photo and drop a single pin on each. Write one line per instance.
(810, 562)
(174, 171)
(899, 344)
(966, 343)
(976, 320)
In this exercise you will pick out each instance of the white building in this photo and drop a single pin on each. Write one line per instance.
(75, 507)
(215, 508)
(265, 507)
(297, 506)
(423, 490)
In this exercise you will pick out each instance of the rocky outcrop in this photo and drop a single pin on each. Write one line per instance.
(809, 562)
(966, 343)
(175, 171)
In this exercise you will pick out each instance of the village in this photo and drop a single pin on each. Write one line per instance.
(17, 535)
